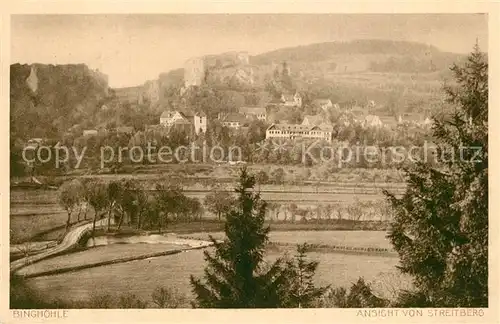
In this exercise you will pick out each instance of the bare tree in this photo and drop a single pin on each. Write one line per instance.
(219, 202)
(167, 298)
(293, 210)
(97, 196)
(70, 196)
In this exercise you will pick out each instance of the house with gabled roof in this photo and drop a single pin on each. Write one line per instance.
(389, 121)
(167, 118)
(291, 99)
(235, 120)
(324, 104)
(313, 120)
(198, 120)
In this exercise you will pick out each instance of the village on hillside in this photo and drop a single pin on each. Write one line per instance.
(317, 119)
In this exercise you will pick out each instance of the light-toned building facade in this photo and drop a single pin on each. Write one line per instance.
(234, 121)
(168, 118)
(90, 132)
(197, 120)
(294, 131)
(416, 119)
(291, 100)
(324, 104)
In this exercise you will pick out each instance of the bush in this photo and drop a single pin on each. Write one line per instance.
(22, 296)
(360, 295)
(131, 301)
(100, 301)
(168, 298)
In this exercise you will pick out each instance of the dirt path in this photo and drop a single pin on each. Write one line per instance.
(69, 241)
(74, 235)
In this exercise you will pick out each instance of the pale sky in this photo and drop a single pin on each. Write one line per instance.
(131, 49)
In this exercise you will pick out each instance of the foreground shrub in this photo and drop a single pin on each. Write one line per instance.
(167, 298)
(302, 292)
(100, 301)
(22, 296)
(359, 295)
(131, 301)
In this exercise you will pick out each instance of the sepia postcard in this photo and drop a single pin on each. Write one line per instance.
(252, 162)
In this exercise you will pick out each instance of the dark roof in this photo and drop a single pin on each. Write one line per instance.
(252, 110)
(184, 113)
(235, 117)
(125, 129)
(190, 113)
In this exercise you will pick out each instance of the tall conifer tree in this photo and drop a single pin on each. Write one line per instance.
(440, 228)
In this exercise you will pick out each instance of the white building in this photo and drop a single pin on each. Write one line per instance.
(294, 131)
(90, 132)
(291, 100)
(197, 120)
(168, 118)
(235, 121)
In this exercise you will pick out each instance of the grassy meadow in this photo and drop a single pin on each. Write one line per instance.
(357, 239)
(35, 215)
(141, 277)
(95, 255)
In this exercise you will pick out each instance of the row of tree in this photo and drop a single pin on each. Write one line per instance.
(127, 202)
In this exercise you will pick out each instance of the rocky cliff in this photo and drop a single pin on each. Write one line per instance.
(45, 100)
(227, 69)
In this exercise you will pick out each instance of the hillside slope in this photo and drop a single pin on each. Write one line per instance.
(45, 100)
(404, 75)
(344, 63)
(373, 53)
